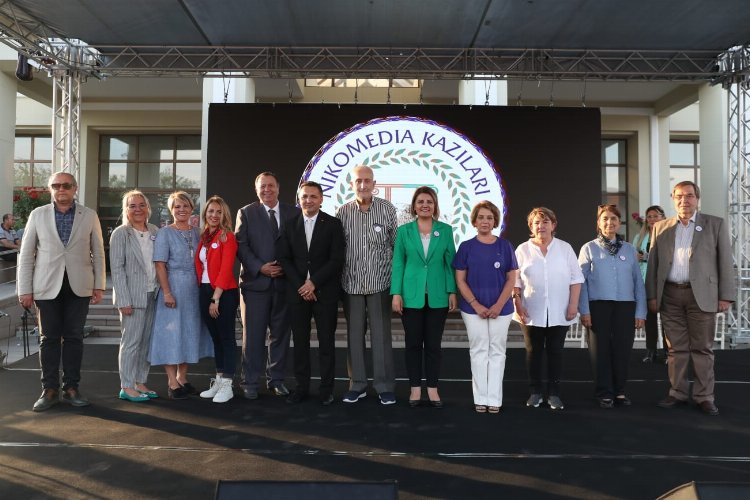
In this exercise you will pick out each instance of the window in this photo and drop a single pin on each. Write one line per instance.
(615, 177)
(362, 82)
(684, 162)
(32, 161)
(154, 164)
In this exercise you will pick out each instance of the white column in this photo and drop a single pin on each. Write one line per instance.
(476, 92)
(659, 163)
(7, 140)
(237, 90)
(714, 171)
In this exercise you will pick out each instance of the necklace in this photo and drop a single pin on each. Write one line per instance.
(187, 235)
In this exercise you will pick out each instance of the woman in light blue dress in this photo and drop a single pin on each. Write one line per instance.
(179, 336)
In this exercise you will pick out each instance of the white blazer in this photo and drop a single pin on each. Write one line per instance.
(44, 259)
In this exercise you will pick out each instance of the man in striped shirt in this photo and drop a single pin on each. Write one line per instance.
(370, 232)
(690, 278)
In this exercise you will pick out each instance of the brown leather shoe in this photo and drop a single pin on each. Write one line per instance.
(48, 399)
(709, 408)
(74, 398)
(670, 402)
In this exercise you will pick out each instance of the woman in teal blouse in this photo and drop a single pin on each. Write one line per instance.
(424, 290)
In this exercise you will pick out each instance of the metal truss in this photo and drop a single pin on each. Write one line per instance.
(66, 123)
(425, 63)
(736, 66)
(50, 49)
(54, 51)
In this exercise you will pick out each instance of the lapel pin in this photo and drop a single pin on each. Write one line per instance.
(622, 257)
(698, 228)
(497, 265)
(214, 245)
(436, 233)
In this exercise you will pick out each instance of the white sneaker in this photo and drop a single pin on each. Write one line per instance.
(212, 389)
(225, 392)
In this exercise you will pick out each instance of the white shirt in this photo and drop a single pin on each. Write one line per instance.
(309, 223)
(147, 251)
(202, 255)
(545, 281)
(275, 213)
(683, 241)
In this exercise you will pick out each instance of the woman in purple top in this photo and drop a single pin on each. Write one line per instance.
(485, 275)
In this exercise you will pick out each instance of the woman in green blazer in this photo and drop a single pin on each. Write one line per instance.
(424, 290)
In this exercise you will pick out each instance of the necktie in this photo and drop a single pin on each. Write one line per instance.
(274, 223)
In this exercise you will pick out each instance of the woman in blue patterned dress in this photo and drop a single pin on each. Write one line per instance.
(179, 336)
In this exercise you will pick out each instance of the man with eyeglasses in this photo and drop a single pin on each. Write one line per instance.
(61, 270)
(690, 278)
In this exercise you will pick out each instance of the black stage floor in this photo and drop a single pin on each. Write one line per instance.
(179, 449)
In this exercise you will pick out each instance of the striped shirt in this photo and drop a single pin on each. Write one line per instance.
(64, 222)
(370, 237)
(683, 240)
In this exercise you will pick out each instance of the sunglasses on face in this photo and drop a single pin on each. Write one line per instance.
(65, 185)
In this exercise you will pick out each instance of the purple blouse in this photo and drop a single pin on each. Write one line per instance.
(486, 266)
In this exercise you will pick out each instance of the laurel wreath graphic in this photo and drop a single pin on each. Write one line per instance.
(441, 169)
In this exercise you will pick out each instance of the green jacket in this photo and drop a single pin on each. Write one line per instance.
(413, 273)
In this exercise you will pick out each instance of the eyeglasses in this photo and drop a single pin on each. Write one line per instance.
(65, 185)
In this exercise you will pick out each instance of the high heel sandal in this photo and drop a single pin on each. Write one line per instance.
(480, 408)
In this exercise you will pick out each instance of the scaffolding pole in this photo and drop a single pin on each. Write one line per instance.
(735, 64)
(66, 121)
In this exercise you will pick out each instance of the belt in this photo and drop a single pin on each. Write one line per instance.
(678, 285)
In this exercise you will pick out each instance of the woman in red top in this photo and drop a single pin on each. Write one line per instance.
(219, 297)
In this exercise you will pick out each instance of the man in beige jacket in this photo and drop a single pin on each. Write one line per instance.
(61, 270)
(690, 278)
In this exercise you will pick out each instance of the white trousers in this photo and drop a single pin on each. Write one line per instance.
(487, 342)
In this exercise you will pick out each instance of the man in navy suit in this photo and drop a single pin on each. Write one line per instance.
(311, 253)
(263, 285)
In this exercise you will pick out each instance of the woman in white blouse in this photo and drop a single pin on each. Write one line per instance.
(546, 302)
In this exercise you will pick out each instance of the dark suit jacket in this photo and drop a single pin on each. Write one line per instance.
(324, 260)
(256, 246)
(712, 273)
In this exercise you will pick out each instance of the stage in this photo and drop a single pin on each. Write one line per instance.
(179, 449)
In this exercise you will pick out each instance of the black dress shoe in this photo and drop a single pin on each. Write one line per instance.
(296, 397)
(670, 402)
(436, 403)
(650, 356)
(47, 400)
(178, 393)
(73, 397)
(250, 393)
(709, 408)
(189, 389)
(279, 389)
(413, 403)
(326, 399)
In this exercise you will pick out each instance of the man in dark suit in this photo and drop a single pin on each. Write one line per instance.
(690, 278)
(263, 287)
(311, 253)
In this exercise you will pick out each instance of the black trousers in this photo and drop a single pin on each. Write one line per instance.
(221, 328)
(325, 314)
(61, 322)
(423, 332)
(610, 341)
(538, 339)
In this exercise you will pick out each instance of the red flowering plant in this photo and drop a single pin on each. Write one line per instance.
(25, 200)
(638, 218)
